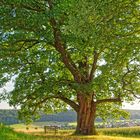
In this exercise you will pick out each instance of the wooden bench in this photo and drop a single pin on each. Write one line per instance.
(54, 128)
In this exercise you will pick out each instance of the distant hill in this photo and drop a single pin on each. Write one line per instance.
(11, 116)
(135, 114)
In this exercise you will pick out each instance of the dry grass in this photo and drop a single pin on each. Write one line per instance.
(39, 134)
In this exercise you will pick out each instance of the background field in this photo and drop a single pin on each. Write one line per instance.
(19, 132)
(7, 133)
(11, 116)
(35, 131)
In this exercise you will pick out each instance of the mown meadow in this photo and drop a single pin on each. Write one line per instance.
(125, 132)
(8, 133)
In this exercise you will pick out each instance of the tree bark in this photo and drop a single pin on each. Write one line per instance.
(86, 116)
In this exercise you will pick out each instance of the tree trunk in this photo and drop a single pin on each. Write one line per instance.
(86, 116)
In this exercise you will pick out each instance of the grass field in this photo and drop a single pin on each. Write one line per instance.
(125, 132)
(19, 132)
(7, 133)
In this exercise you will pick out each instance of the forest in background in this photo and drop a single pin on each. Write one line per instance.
(11, 116)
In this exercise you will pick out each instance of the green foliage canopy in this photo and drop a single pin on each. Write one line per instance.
(99, 51)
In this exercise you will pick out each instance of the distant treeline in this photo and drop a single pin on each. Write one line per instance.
(11, 116)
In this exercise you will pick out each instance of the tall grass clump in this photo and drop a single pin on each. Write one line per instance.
(126, 132)
(7, 133)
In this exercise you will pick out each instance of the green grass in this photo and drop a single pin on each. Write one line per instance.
(19, 126)
(7, 133)
(72, 123)
(125, 132)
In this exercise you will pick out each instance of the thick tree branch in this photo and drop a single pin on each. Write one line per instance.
(66, 100)
(94, 66)
(69, 102)
(109, 100)
(66, 59)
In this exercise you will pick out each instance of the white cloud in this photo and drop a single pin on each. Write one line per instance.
(4, 105)
(134, 106)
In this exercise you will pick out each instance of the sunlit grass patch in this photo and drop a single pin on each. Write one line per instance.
(7, 133)
(126, 132)
(103, 134)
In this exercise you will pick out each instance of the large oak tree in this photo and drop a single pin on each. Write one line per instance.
(82, 53)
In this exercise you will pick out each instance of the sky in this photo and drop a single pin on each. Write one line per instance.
(136, 106)
(9, 87)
